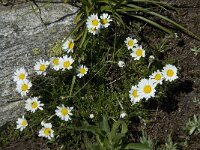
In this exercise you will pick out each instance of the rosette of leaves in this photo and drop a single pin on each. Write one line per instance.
(193, 125)
(109, 137)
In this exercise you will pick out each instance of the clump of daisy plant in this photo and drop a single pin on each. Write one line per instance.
(146, 88)
(22, 83)
(94, 24)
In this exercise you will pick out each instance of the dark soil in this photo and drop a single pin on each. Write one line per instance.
(34, 143)
(170, 119)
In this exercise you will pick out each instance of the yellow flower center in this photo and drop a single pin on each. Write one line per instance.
(71, 45)
(64, 111)
(42, 67)
(47, 131)
(24, 123)
(157, 77)
(82, 70)
(130, 43)
(139, 52)
(135, 93)
(66, 64)
(147, 89)
(34, 105)
(94, 29)
(170, 73)
(24, 87)
(104, 21)
(56, 61)
(95, 22)
(21, 76)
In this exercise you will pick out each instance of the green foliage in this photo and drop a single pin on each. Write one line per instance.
(137, 10)
(196, 50)
(145, 139)
(169, 145)
(8, 134)
(109, 137)
(193, 125)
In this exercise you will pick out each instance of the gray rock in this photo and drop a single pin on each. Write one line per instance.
(21, 31)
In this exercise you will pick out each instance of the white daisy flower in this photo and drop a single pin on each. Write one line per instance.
(41, 66)
(130, 43)
(21, 123)
(91, 116)
(138, 52)
(121, 64)
(20, 75)
(123, 114)
(94, 30)
(46, 131)
(33, 104)
(23, 87)
(66, 62)
(82, 70)
(93, 22)
(157, 77)
(64, 112)
(134, 95)
(146, 88)
(55, 63)
(105, 20)
(169, 72)
(68, 45)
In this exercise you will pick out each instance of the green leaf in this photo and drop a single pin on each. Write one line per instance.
(153, 23)
(75, 29)
(119, 19)
(191, 131)
(78, 16)
(72, 85)
(86, 10)
(175, 24)
(105, 8)
(78, 36)
(90, 128)
(137, 146)
(103, 125)
(83, 37)
(118, 138)
(115, 128)
(88, 144)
